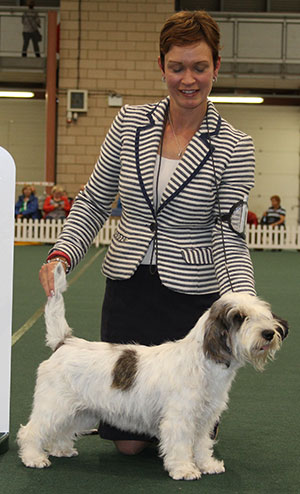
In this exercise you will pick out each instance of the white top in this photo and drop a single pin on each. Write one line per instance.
(167, 169)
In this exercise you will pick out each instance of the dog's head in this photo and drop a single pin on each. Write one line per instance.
(241, 328)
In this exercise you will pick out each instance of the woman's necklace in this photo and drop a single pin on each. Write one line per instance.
(180, 150)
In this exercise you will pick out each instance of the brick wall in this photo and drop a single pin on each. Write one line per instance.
(118, 53)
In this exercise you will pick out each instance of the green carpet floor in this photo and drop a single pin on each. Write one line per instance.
(259, 436)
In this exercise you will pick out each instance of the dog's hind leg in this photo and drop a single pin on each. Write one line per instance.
(50, 431)
(31, 450)
(62, 444)
(50, 418)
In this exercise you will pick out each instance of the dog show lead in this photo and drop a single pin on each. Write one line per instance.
(183, 174)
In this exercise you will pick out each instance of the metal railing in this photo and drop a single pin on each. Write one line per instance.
(11, 39)
(258, 237)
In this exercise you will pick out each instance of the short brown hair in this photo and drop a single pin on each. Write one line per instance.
(26, 186)
(185, 28)
(277, 198)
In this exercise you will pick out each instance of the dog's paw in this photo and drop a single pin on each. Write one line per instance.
(185, 473)
(66, 452)
(38, 462)
(212, 466)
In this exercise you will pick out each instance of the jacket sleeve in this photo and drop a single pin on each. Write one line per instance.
(231, 256)
(48, 207)
(67, 206)
(18, 205)
(93, 205)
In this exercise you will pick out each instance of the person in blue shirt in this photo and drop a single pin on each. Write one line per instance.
(27, 205)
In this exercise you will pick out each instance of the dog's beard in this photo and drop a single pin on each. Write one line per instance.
(251, 347)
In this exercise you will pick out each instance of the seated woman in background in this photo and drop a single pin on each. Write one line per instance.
(252, 218)
(27, 205)
(56, 206)
(275, 215)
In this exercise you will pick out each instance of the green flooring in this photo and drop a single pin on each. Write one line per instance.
(259, 435)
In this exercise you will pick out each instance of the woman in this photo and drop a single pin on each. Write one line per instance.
(31, 24)
(27, 205)
(56, 206)
(178, 167)
(275, 215)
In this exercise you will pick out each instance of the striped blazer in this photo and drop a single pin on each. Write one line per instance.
(219, 161)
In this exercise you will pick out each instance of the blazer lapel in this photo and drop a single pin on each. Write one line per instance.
(196, 155)
(146, 148)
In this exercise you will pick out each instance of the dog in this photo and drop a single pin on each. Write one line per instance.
(175, 391)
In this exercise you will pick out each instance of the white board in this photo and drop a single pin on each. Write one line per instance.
(7, 201)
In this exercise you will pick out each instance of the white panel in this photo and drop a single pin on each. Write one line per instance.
(276, 163)
(293, 41)
(11, 37)
(22, 132)
(7, 188)
(227, 38)
(259, 40)
(285, 140)
(275, 131)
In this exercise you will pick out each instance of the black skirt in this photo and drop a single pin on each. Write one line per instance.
(142, 310)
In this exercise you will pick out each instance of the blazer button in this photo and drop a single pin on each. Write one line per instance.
(153, 227)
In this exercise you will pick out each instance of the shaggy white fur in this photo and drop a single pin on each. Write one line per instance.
(175, 391)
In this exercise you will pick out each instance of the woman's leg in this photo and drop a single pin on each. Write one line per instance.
(131, 447)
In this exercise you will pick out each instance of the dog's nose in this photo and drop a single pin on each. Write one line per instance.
(268, 334)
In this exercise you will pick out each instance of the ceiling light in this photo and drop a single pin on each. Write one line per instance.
(16, 94)
(236, 99)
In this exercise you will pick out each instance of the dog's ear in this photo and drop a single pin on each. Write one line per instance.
(221, 323)
(282, 327)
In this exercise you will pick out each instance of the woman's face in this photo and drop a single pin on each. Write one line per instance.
(275, 203)
(189, 71)
(57, 196)
(27, 192)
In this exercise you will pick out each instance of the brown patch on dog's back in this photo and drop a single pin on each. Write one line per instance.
(125, 370)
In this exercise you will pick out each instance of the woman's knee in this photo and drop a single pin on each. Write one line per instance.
(131, 447)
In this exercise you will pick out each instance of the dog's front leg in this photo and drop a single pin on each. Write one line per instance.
(203, 454)
(176, 448)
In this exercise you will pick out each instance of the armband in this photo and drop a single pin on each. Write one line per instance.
(237, 217)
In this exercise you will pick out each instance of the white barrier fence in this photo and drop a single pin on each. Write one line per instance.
(47, 231)
(266, 237)
(258, 237)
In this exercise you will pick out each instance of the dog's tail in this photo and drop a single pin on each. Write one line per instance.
(57, 328)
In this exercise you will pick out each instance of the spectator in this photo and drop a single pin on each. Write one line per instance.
(27, 205)
(31, 22)
(70, 199)
(275, 215)
(117, 210)
(252, 218)
(56, 206)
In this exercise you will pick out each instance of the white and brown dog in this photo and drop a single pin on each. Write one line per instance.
(175, 391)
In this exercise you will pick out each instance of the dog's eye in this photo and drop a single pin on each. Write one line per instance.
(239, 319)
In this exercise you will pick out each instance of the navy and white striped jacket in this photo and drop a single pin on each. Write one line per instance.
(190, 254)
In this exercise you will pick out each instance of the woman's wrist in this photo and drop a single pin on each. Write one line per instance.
(57, 255)
(61, 260)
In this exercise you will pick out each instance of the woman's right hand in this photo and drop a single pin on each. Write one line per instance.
(46, 276)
